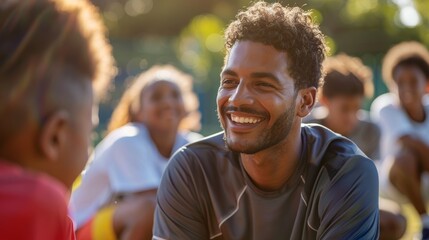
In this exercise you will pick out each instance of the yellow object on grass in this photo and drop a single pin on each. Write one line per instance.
(102, 226)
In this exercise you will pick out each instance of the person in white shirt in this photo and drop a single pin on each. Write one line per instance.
(405, 127)
(116, 197)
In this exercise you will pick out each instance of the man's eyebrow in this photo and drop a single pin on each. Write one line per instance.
(265, 75)
(229, 72)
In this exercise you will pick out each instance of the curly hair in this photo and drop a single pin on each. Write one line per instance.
(287, 29)
(346, 76)
(130, 101)
(406, 53)
(45, 44)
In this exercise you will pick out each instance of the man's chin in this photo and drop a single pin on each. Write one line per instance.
(239, 147)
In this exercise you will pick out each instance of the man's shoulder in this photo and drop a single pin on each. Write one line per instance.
(318, 137)
(331, 158)
(330, 150)
(207, 145)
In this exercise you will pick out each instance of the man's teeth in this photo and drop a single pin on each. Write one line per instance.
(245, 119)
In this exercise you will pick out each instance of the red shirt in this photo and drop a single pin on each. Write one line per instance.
(33, 206)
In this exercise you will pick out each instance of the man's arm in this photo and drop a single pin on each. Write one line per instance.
(178, 212)
(348, 207)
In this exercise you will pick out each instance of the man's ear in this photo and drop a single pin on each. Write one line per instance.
(307, 101)
(53, 134)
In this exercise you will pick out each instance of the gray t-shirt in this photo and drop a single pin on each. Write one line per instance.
(206, 194)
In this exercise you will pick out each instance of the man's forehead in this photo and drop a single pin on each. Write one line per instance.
(255, 55)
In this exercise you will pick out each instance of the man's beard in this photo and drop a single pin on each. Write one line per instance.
(277, 133)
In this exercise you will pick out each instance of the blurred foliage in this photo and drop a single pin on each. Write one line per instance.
(188, 34)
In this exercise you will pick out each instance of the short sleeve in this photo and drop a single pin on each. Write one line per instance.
(177, 215)
(134, 165)
(394, 122)
(348, 207)
(379, 103)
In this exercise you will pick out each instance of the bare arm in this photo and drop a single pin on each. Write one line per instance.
(418, 147)
(415, 144)
(133, 217)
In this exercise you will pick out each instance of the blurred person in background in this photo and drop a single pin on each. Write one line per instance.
(390, 97)
(405, 126)
(55, 62)
(346, 85)
(116, 197)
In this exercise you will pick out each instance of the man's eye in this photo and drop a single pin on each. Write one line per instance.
(227, 83)
(265, 85)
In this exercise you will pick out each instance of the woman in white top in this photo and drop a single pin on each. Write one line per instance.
(405, 127)
(116, 197)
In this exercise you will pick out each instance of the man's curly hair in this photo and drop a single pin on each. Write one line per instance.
(406, 53)
(287, 29)
(346, 76)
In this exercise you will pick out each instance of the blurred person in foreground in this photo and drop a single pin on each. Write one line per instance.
(116, 198)
(266, 176)
(53, 54)
(405, 126)
(346, 85)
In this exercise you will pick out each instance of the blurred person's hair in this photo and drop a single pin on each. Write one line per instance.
(130, 102)
(405, 54)
(47, 46)
(346, 76)
(287, 29)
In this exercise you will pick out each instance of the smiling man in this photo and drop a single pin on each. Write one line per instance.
(266, 176)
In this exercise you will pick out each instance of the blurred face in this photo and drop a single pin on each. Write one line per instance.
(411, 84)
(343, 110)
(162, 106)
(256, 98)
(79, 130)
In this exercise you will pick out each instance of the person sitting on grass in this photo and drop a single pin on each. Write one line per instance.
(116, 197)
(404, 122)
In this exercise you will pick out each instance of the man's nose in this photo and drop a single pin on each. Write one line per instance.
(242, 95)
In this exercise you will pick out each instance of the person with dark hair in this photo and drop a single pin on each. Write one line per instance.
(346, 85)
(405, 125)
(53, 54)
(404, 50)
(266, 176)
